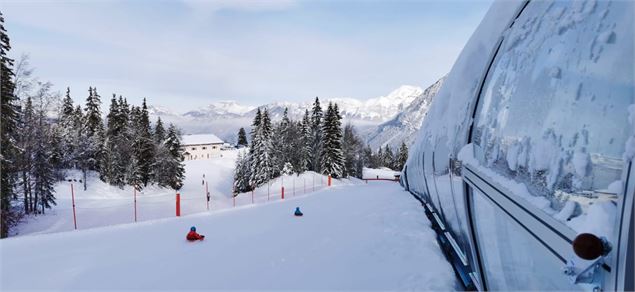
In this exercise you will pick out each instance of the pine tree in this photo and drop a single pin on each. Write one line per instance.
(304, 146)
(67, 128)
(92, 135)
(402, 157)
(241, 174)
(282, 145)
(255, 126)
(316, 136)
(80, 140)
(176, 170)
(43, 172)
(378, 158)
(287, 169)
(67, 105)
(57, 152)
(332, 156)
(147, 149)
(26, 142)
(260, 157)
(368, 157)
(352, 149)
(253, 157)
(123, 143)
(161, 156)
(8, 135)
(159, 132)
(142, 147)
(242, 138)
(114, 162)
(389, 158)
(40, 161)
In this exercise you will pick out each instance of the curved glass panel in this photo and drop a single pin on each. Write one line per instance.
(513, 259)
(553, 117)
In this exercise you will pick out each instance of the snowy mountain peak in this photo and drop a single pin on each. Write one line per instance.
(230, 106)
(220, 109)
(160, 111)
(403, 125)
(405, 93)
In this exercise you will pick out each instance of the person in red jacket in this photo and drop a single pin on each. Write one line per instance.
(192, 235)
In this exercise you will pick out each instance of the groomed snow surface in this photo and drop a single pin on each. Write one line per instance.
(364, 236)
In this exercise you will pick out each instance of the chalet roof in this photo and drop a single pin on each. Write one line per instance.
(200, 139)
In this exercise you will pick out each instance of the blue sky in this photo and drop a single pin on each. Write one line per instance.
(186, 54)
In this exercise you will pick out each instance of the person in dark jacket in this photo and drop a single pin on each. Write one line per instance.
(192, 235)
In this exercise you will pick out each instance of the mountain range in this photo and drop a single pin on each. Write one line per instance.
(377, 118)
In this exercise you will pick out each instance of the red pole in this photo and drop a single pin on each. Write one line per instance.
(329, 180)
(207, 195)
(282, 192)
(73, 199)
(135, 204)
(282, 187)
(178, 204)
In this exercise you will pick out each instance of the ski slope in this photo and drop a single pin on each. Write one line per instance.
(371, 236)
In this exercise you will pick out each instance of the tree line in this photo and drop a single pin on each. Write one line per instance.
(315, 143)
(40, 140)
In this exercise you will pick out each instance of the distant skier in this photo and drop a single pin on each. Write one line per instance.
(297, 212)
(192, 235)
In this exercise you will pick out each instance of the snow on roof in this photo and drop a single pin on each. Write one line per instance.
(201, 139)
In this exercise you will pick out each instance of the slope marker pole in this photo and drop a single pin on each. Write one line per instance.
(73, 198)
(178, 205)
(207, 194)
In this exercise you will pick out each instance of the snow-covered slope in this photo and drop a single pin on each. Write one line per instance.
(224, 118)
(364, 237)
(406, 123)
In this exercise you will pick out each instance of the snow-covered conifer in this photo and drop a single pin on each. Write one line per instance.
(316, 136)
(402, 157)
(242, 137)
(332, 156)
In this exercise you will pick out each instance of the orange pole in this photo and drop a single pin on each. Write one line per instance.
(329, 180)
(178, 205)
(73, 199)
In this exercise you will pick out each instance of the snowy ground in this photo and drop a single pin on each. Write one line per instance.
(367, 236)
(383, 172)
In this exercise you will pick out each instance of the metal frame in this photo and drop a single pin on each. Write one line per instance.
(624, 235)
(553, 234)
